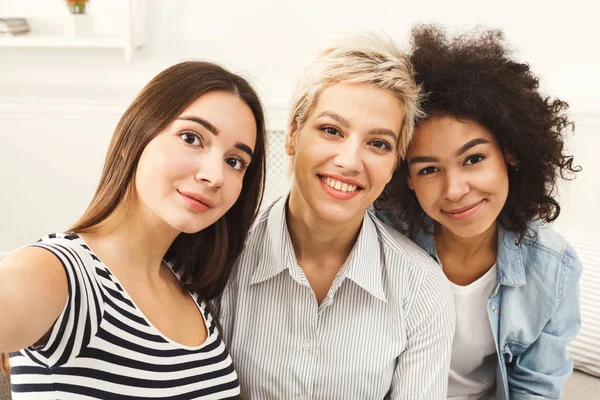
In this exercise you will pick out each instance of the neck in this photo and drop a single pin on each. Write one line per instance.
(464, 260)
(468, 247)
(314, 238)
(132, 239)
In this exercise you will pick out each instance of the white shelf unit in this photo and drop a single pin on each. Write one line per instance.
(128, 41)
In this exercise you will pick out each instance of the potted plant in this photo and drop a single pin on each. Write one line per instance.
(78, 23)
(77, 6)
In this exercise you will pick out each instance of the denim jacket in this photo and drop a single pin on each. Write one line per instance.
(533, 312)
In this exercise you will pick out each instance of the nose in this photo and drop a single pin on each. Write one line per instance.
(455, 186)
(348, 156)
(211, 170)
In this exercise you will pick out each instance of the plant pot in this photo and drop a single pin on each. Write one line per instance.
(78, 26)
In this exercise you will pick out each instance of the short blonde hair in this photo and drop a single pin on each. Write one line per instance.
(367, 58)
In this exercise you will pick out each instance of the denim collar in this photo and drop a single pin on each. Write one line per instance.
(511, 270)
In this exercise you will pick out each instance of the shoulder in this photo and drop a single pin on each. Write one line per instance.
(417, 278)
(260, 223)
(550, 261)
(405, 258)
(552, 248)
(46, 251)
(254, 247)
(35, 259)
(397, 244)
(62, 240)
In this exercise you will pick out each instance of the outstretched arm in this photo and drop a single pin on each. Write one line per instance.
(33, 293)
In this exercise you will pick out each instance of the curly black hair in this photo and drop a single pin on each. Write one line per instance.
(473, 76)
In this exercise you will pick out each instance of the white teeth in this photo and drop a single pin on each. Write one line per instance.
(342, 187)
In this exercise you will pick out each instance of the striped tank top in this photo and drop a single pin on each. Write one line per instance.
(102, 345)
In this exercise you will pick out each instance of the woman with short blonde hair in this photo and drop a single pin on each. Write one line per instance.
(325, 301)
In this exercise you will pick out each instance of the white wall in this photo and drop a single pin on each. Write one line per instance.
(58, 107)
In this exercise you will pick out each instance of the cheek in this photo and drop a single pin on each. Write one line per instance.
(162, 166)
(426, 192)
(232, 188)
(495, 180)
(306, 158)
(308, 150)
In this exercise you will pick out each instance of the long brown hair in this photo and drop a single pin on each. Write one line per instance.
(206, 258)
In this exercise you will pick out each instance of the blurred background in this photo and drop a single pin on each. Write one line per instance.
(65, 83)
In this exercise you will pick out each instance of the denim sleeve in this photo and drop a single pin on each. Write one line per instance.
(382, 216)
(541, 371)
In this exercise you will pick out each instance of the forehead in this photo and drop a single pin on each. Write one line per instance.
(356, 100)
(445, 134)
(217, 103)
(228, 113)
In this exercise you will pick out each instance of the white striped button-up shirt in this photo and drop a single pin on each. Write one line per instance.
(384, 330)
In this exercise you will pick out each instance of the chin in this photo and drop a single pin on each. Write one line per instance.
(467, 232)
(338, 214)
(189, 227)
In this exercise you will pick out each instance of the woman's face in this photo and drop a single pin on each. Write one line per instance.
(459, 174)
(345, 152)
(191, 173)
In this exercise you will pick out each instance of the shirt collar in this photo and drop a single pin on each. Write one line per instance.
(364, 264)
(511, 270)
(510, 260)
(277, 254)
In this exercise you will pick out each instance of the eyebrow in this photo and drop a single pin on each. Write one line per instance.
(470, 144)
(346, 124)
(465, 147)
(210, 127)
(336, 117)
(213, 129)
(384, 132)
(244, 148)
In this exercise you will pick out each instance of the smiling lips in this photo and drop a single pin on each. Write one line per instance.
(196, 201)
(339, 188)
(464, 212)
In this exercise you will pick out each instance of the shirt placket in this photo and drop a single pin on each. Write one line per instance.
(493, 308)
(308, 348)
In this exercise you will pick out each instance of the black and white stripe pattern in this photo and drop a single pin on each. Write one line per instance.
(384, 329)
(102, 346)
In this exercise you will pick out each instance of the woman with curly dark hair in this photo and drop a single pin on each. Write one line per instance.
(476, 190)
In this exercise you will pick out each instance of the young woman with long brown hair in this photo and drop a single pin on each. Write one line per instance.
(116, 306)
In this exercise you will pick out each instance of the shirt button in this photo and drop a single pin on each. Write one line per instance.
(495, 309)
(305, 346)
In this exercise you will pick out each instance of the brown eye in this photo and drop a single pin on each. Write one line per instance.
(474, 159)
(236, 163)
(331, 130)
(381, 144)
(191, 138)
(427, 171)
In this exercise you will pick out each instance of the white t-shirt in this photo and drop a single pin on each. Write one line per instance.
(473, 366)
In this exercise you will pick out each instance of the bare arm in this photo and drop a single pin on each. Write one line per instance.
(33, 293)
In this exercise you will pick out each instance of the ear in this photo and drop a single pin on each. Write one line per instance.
(290, 142)
(510, 158)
